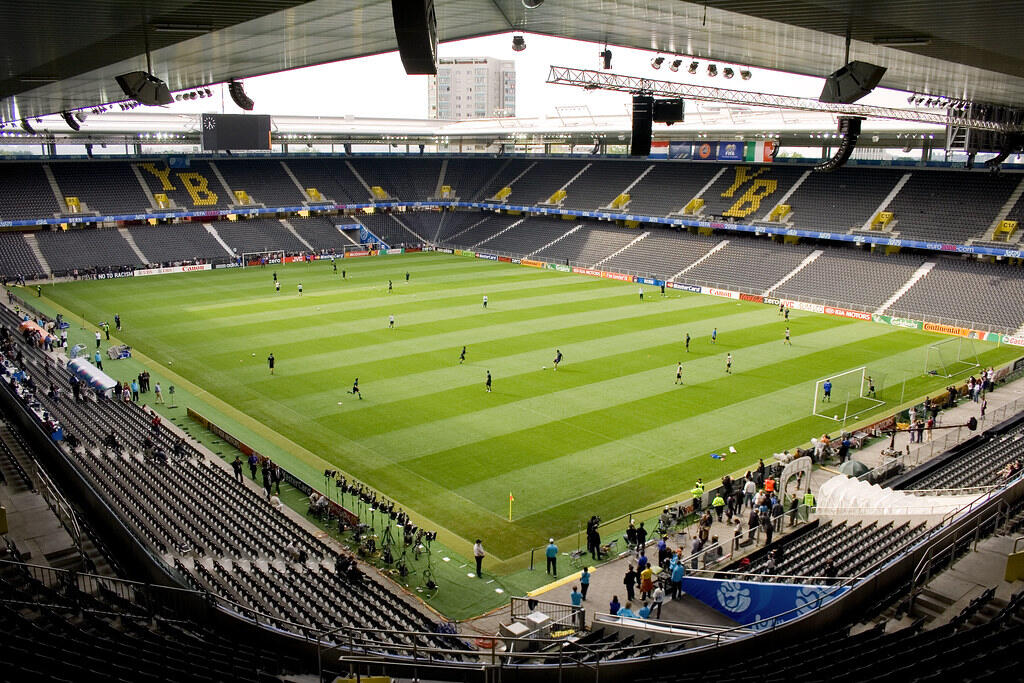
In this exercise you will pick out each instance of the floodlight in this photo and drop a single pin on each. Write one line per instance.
(518, 43)
(657, 62)
(676, 63)
(693, 67)
(728, 72)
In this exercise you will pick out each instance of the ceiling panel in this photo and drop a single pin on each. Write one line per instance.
(974, 51)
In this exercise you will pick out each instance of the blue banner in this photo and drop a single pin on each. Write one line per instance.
(705, 151)
(747, 602)
(367, 237)
(730, 151)
(650, 281)
(680, 150)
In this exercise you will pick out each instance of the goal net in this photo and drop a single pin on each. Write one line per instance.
(951, 357)
(259, 258)
(849, 395)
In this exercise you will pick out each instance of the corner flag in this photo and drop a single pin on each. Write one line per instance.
(511, 499)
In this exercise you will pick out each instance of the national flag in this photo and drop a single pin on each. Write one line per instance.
(760, 152)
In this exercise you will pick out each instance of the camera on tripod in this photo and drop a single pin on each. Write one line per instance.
(330, 473)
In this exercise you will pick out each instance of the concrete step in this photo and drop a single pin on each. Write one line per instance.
(66, 558)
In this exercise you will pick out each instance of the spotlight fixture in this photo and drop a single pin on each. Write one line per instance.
(910, 100)
(518, 43)
(657, 62)
(238, 96)
(606, 58)
(728, 72)
(693, 67)
(712, 70)
(676, 63)
(209, 93)
(144, 88)
(70, 120)
(27, 127)
(532, 4)
(745, 74)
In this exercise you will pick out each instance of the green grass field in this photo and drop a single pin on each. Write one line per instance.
(607, 433)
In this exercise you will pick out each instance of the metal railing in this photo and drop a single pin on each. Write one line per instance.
(918, 453)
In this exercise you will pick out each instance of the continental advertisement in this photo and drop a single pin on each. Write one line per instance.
(954, 331)
(531, 263)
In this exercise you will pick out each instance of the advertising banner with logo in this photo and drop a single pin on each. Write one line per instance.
(846, 313)
(391, 252)
(680, 150)
(751, 297)
(488, 257)
(727, 293)
(706, 151)
(173, 269)
(587, 271)
(650, 281)
(561, 267)
(1014, 341)
(772, 301)
(353, 254)
(444, 250)
(685, 287)
(730, 151)
(531, 263)
(802, 306)
(463, 252)
(516, 260)
(746, 602)
(505, 259)
(953, 330)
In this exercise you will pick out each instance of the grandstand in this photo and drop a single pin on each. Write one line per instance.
(246, 521)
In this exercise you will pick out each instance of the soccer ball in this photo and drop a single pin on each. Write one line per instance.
(339, 403)
(254, 355)
(543, 367)
(318, 308)
(835, 417)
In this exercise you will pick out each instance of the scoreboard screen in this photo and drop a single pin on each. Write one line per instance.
(235, 131)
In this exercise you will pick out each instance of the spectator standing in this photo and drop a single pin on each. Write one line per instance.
(478, 555)
(551, 553)
(629, 581)
(585, 581)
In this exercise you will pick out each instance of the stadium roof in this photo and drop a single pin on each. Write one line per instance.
(61, 55)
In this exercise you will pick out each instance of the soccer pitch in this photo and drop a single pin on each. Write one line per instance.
(608, 433)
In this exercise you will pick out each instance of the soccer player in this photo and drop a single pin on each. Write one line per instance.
(487, 384)
(277, 286)
(687, 342)
(558, 358)
(355, 389)
(390, 286)
(781, 308)
(334, 264)
(871, 386)
(342, 273)
(485, 305)
(828, 390)
(407, 276)
(728, 363)
(714, 335)
(679, 372)
(300, 289)
(787, 315)
(462, 356)
(641, 293)
(787, 340)
(275, 276)
(391, 322)
(270, 363)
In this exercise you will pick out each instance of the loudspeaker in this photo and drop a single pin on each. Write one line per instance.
(640, 143)
(668, 111)
(144, 88)
(70, 120)
(850, 83)
(238, 96)
(416, 31)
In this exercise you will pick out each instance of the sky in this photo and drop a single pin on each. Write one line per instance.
(377, 86)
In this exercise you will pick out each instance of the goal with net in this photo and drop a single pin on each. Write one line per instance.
(850, 395)
(951, 357)
(256, 258)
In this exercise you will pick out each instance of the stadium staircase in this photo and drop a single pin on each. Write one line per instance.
(220, 240)
(412, 232)
(616, 253)
(622, 200)
(302, 190)
(885, 204)
(775, 212)
(33, 244)
(291, 228)
(811, 258)
(369, 192)
(489, 237)
(717, 248)
(996, 229)
(557, 239)
(710, 183)
(145, 188)
(898, 294)
(220, 178)
(503, 193)
(559, 197)
(55, 188)
(440, 179)
(131, 243)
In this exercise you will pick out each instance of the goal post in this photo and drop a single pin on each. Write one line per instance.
(951, 357)
(850, 395)
(255, 258)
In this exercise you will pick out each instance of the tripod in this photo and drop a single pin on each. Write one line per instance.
(428, 575)
(385, 545)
